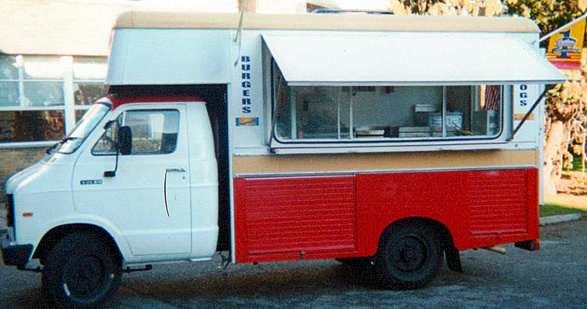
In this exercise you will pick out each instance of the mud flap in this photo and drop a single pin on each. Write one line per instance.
(453, 258)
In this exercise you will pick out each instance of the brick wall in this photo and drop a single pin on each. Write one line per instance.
(14, 160)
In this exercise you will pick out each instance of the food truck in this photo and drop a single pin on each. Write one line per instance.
(382, 141)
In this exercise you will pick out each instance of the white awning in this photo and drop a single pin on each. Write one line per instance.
(354, 59)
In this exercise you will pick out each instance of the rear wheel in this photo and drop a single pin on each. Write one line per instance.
(80, 271)
(409, 256)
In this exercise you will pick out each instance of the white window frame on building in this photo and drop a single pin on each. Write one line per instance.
(59, 108)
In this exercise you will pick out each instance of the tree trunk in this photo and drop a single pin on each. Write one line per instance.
(555, 139)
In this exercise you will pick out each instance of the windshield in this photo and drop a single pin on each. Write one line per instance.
(83, 128)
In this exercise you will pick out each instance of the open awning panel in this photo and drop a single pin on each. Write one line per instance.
(348, 59)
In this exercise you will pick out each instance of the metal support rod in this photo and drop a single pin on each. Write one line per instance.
(444, 115)
(527, 115)
(293, 115)
(276, 101)
(351, 115)
(497, 249)
(562, 27)
(338, 92)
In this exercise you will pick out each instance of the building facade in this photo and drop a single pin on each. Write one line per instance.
(53, 61)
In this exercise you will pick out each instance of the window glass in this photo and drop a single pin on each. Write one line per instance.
(9, 93)
(43, 68)
(22, 126)
(387, 113)
(34, 85)
(31, 81)
(86, 93)
(89, 68)
(34, 94)
(8, 67)
(313, 113)
(486, 117)
(40, 94)
(89, 74)
(83, 128)
(153, 132)
(79, 114)
(107, 145)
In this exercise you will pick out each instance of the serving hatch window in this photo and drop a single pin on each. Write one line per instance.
(387, 113)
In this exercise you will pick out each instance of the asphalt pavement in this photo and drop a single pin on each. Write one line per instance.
(554, 277)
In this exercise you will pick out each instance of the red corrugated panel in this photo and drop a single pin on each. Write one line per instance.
(295, 215)
(286, 218)
(498, 201)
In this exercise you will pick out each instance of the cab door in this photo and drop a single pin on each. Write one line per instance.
(148, 198)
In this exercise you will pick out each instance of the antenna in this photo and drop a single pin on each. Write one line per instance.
(238, 36)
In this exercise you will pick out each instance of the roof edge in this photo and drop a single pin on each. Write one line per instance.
(199, 20)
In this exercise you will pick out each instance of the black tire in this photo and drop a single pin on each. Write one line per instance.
(361, 262)
(408, 257)
(80, 271)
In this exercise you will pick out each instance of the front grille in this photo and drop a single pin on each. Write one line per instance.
(9, 210)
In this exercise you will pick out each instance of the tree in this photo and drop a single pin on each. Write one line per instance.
(548, 14)
(566, 106)
(447, 7)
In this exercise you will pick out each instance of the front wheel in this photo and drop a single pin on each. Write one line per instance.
(409, 256)
(80, 271)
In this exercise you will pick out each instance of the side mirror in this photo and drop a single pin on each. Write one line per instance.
(109, 124)
(125, 140)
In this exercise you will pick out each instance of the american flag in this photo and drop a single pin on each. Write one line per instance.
(492, 98)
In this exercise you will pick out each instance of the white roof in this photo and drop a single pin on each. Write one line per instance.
(347, 59)
(355, 22)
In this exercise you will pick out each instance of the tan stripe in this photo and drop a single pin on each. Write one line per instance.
(187, 20)
(382, 161)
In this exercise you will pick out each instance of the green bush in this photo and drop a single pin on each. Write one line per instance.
(555, 210)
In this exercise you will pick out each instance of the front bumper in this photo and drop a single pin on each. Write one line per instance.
(13, 254)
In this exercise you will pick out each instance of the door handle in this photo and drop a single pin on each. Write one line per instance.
(175, 170)
(167, 171)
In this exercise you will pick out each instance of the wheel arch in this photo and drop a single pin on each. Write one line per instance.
(448, 245)
(438, 226)
(57, 233)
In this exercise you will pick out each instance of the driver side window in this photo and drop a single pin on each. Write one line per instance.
(153, 132)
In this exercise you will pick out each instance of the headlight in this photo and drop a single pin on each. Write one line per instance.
(9, 210)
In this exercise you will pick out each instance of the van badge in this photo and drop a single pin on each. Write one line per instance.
(90, 182)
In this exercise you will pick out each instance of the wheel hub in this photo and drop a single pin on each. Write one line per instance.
(411, 254)
(83, 276)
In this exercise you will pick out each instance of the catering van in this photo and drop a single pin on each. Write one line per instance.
(385, 142)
